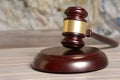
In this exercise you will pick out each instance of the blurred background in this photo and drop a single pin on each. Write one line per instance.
(27, 24)
(46, 15)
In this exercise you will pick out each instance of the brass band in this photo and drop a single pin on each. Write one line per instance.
(74, 26)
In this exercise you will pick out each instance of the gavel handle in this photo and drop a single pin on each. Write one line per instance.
(103, 39)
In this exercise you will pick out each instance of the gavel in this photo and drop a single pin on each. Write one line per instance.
(75, 29)
(74, 56)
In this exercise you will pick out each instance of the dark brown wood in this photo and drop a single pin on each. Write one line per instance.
(76, 13)
(75, 57)
(74, 40)
(103, 39)
(64, 60)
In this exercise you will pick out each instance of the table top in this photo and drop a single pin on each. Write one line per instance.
(15, 65)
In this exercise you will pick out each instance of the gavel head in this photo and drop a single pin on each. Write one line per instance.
(74, 27)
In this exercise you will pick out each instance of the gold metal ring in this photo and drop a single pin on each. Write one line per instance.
(75, 26)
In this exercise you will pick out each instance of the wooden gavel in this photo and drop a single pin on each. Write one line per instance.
(75, 28)
(74, 56)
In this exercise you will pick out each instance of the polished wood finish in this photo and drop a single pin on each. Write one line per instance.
(75, 57)
(63, 60)
(103, 39)
(76, 13)
(71, 39)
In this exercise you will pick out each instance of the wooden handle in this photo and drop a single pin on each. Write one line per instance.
(103, 39)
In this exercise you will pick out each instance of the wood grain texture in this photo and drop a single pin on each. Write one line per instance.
(15, 65)
(11, 39)
(20, 39)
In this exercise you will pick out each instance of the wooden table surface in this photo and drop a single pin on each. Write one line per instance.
(15, 65)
